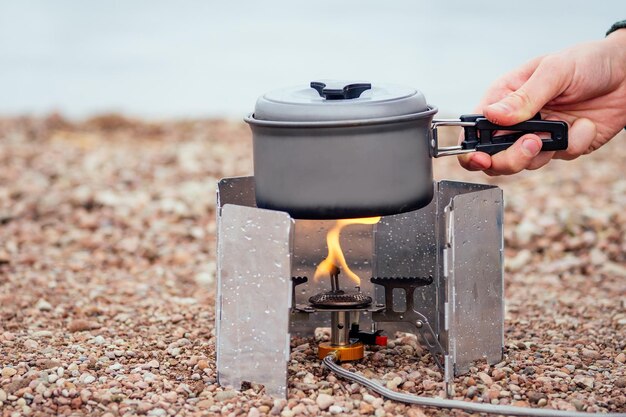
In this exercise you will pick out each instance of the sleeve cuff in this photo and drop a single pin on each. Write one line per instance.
(618, 25)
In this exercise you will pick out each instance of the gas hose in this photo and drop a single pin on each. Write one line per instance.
(330, 362)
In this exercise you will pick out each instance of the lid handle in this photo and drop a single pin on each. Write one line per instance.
(339, 91)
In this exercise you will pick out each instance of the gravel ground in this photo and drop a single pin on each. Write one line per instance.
(107, 267)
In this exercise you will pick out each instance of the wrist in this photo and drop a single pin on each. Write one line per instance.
(616, 42)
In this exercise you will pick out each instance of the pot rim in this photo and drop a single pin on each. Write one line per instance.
(342, 123)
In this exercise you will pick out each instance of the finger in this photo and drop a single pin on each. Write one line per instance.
(540, 160)
(475, 161)
(495, 93)
(508, 83)
(581, 135)
(547, 82)
(517, 157)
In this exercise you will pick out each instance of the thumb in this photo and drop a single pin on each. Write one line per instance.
(547, 82)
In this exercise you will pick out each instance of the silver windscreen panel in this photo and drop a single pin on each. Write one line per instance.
(457, 239)
(405, 245)
(236, 190)
(254, 297)
(475, 288)
(445, 192)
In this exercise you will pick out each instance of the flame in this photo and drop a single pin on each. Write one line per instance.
(335, 256)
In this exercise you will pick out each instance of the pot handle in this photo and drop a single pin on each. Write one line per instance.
(479, 134)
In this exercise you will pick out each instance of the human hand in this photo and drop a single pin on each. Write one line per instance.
(584, 86)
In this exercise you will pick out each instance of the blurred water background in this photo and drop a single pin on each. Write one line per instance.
(198, 58)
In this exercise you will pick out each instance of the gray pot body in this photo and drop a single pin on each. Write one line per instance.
(343, 170)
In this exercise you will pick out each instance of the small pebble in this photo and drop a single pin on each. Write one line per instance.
(203, 404)
(498, 374)
(43, 305)
(176, 318)
(151, 365)
(115, 367)
(369, 398)
(393, 384)
(87, 378)
(588, 353)
(429, 385)
(324, 401)
(98, 340)
(225, 395)
(485, 378)
(335, 409)
(31, 344)
(8, 336)
(80, 325)
(170, 396)
(534, 396)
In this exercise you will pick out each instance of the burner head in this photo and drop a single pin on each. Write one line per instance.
(340, 299)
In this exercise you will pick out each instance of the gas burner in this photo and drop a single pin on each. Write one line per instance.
(346, 339)
(337, 298)
(340, 300)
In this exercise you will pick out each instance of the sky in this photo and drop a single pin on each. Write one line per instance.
(196, 58)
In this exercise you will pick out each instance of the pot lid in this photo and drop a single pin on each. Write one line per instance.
(331, 100)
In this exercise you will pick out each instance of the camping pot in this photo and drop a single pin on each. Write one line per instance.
(334, 149)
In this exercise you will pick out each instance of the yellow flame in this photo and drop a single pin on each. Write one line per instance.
(335, 256)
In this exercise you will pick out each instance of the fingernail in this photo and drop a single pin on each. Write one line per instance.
(531, 147)
(501, 107)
